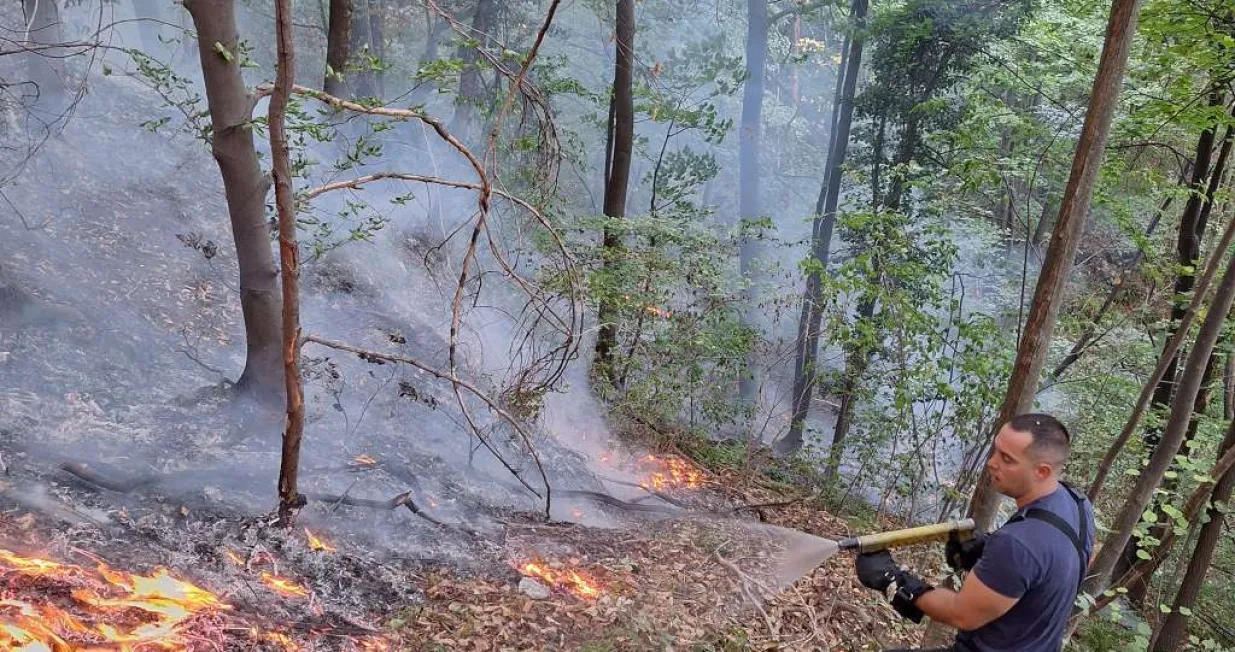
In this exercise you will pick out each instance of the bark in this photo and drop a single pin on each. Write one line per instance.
(1176, 427)
(856, 363)
(623, 138)
(42, 27)
(1044, 222)
(377, 39)
(285, 204)
(1228, 387)
(338, 47)
(471, 86)
(1173, 630)
(1138, 590)
(245, 187)
(1073, 211)
(749, 137)
(804, 371)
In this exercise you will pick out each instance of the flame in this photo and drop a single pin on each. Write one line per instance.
(283, 586)
(659, 312)
(577, 513)
(317, 544)
(364, 460)
(125, 611)
(234, 557)
(669, 473)
(572, 580)
(278, 638)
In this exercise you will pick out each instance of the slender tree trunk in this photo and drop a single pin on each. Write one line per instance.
(1073, 211)
(749, 140)
(1177, 425)
(1090, 335)
(856, 363)
(377, 37)
(1173, 630)
(1043, 226)
(245, 188)
(804, 372)
(1139, 589)
(285, 204)
(42, 28)
(1228, 388)
(471, 86)
(338, 47)
(623, 137)
(360, 82)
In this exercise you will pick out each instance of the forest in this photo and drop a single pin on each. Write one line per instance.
(543, 325)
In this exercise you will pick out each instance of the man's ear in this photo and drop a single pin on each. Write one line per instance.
(1043, 470)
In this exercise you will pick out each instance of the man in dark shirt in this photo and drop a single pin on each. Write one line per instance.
(1024, 576)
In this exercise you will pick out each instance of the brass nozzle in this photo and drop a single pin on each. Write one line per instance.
(963, 529)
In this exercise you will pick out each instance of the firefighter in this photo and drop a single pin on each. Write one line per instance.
(1024, 577)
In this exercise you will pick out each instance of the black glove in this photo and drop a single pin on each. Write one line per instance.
(964, 555)
(878, 571)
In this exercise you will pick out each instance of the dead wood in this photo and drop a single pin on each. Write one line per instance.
(103, 481)
(606, 499)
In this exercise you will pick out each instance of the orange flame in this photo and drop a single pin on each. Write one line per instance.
(669, 473)
(165, 604)
(364, 460)
(572, 580)
(284, 587)
(317, 544)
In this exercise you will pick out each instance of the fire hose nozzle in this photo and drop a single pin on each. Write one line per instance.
(962, 529)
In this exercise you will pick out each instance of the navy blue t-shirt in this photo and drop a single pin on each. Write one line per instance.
(1035, 562)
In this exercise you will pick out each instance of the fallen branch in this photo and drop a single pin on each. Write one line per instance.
(103, 481)
(402, 500)
(615, 502)
(475, 391)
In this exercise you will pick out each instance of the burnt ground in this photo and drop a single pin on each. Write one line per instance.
(663, 581)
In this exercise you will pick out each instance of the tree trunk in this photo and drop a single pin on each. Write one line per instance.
(245, 188)
(1073, 211)
(42, 22)
(338, 47)
(377, 42)
(749, 134)
(1139, 589)
(856, 362)
(1044, 221)
(1228, 387)
(1177, 425)
(1188, 251)
(285, 204)
(471, 86)
(1172, 631)
(804, 372)
(360, 81)
(618, 178)
(1090, 336)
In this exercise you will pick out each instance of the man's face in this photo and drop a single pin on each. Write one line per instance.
(1013, 468)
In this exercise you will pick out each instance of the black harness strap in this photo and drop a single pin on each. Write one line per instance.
(1078, 541)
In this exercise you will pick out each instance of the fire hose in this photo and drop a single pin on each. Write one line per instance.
(962, 529)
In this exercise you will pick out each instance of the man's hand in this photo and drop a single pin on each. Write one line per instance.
(964, 555)
(878, 571)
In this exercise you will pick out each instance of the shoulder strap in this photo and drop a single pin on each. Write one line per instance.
(1055, 520)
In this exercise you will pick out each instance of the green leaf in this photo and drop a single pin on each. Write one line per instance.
(1141, 554)
(1164, 608)
(224, 52)
(1185, 611)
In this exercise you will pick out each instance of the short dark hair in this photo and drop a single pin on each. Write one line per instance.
(1051, 441)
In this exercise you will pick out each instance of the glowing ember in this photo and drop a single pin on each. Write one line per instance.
(277, 638)
(120, 609)
(572, 580)
(577, 513)
(317, 544)
(235, 558)
(284, 587)
(668, 473)
(364, 460)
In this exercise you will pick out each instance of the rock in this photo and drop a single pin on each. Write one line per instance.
(533, 589)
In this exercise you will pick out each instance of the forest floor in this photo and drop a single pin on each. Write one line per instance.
(665, 582)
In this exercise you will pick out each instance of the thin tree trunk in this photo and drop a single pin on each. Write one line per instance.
(1073, 211)
(285, 74)
(1228, 387)
(749, 140)
(1090, 335)
(42, 27)
(1164, 364)
(1044, 221)
(1173, 630)
(856, 362)
(360, 81)
(471, 86)
(245, 188)
(1176, 427)
(1139, 589)
(804, 372)
(338, 47)
(619, 175)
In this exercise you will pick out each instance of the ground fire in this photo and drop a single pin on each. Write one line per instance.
(571, 580)
(668, 473)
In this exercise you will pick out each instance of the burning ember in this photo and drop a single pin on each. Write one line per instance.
(364, 460)
(122, 610)
(571, 580)
(317, 544)
(668, 473)
(283, 586)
